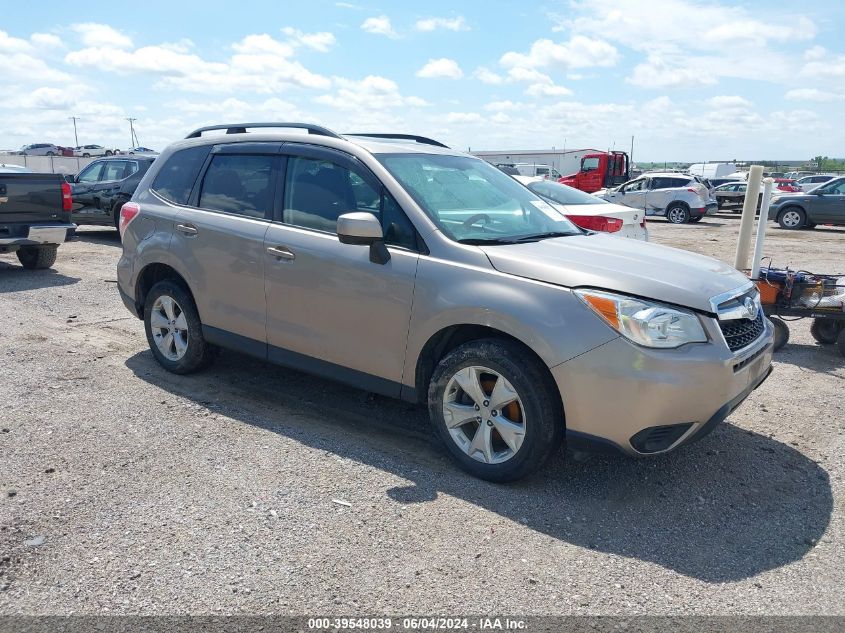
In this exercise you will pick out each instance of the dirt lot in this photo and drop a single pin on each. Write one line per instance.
(129, 490)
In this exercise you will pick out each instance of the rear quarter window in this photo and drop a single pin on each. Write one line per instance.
(176, 178)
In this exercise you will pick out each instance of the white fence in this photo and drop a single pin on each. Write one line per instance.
(47, 164)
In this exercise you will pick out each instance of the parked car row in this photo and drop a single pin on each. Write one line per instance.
(82, 151)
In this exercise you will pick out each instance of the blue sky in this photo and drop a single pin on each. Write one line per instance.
(690, 80)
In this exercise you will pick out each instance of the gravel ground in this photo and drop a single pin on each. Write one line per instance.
(128, 490)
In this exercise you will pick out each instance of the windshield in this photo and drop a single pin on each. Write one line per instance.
(472, 201)
(561, 194)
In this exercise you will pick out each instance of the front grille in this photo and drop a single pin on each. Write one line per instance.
(741, 333)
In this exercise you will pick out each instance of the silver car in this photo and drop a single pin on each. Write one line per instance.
(412, 270)
(681, 198)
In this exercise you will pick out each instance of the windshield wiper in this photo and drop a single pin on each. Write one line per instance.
(544, 236)
(476, 241)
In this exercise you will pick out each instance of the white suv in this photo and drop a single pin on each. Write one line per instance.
(681, 198)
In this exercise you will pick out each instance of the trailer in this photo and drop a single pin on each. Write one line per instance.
(564, 161)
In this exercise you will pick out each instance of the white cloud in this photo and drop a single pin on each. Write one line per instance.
(578, 52)
(380, 25)
(449, 24)
(463, 117)
(259, 63)
(322, 41)
(815, 53)
(658, 73)
(499, 106)
(815, 95)
(9, 44)
(369, 94)
(46, 41)
(101, 35)
(29, 69)
(547, 90)
(487, 76)
(728, 102)
(443, 68)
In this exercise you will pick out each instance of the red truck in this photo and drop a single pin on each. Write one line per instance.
(600, 170)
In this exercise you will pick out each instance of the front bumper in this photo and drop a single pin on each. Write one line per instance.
(35, 235)
(619, 394)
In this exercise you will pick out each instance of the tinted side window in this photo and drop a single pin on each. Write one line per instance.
(114, 170)
(90, 173)
(239, 184)
(318, 191)
(176, 179)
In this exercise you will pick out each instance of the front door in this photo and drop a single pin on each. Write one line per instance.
(331, 310)
(631, 194)
(82, 190)
(828, 203)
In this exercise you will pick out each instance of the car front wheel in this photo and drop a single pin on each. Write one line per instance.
(792, 218)
(496, 409)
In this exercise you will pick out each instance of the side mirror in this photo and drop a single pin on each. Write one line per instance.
(361, 228)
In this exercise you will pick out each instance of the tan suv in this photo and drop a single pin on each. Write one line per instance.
(398, 265)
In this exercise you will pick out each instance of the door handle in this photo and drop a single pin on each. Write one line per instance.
(187, 229)
(281, 252)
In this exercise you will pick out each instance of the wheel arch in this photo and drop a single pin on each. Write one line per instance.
(150, 275)
(450, 337)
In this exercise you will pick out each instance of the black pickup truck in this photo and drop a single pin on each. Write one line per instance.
(35, 212)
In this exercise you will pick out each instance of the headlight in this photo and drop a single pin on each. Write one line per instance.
(643, 322)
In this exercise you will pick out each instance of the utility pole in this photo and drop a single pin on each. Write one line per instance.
(631, 155)
(75, 137)
(132, 137)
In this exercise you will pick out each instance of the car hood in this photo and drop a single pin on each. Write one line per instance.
(632, 267)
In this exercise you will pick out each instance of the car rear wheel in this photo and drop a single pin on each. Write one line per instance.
(792, 218)
(826, 331)
(678, 214)
(37, 257)
(86, 156)
(174, 329)
(496, 409)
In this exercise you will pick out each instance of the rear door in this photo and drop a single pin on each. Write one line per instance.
(219, 239)
(104, 191)
(330, 309)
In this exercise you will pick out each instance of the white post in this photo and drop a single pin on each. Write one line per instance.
(761, 227)
(749, 210)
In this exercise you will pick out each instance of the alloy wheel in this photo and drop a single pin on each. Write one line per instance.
(484, 415)
(791, 219)
(169, 327)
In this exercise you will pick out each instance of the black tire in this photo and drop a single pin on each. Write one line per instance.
(51, 154)
(37, 257)
(840, 342)
(826, 331)
(115, 211)
(678, 213)
(108, 153)
(695, 218)
(198, 353)
(543, 433)
(781, 333)
(785, 218)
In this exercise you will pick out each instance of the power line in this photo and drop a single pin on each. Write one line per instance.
(75, 137)
(133, 140)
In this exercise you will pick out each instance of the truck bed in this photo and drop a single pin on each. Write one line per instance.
(31, 198)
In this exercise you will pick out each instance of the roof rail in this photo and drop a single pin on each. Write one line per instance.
(241, 128)
(404, 137)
